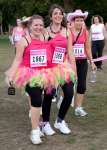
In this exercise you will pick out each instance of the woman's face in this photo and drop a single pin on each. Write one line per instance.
(19, 22)
(96, 20)
(37, 27)
(79, 22)
(57, 16)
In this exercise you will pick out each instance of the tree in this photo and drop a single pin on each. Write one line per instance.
(1, 30)
(12, 9)
(68, 5)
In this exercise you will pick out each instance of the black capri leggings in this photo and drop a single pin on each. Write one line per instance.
(35, 94)
(46, 106)
(97, 51)
(82, 68)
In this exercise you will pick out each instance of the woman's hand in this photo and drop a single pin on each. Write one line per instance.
(9, 76)
(93, 66)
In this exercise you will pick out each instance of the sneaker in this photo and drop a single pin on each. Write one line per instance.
(47, 129)
(35, 136)
(54, 99)
(62, 127)
(59, 102)
(79, 111)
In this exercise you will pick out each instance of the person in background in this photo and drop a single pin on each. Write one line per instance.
(10, 35)
(82, 52)
(98, 35)
(25, 22)
(18, 32)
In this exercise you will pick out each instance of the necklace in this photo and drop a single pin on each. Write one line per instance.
(57, 31)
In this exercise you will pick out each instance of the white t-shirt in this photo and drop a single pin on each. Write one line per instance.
(97, 32)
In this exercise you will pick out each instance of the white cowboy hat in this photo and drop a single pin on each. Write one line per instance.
(25, 19)
(77, 13)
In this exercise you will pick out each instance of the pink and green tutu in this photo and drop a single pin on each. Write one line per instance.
(45, 78)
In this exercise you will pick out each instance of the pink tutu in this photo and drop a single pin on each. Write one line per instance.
(44, 78)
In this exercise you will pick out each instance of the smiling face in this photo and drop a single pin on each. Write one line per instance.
(37, 27)
(57, 16)
(78, 22)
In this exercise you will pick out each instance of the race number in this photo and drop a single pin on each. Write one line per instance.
(78, 50)
(58, 56)
(38, 58)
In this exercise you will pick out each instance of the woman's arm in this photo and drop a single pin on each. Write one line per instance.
(20, 46)
(70, 52)
(105, 33)
(88, 51)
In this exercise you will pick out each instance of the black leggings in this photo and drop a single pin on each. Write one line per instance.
(35, 94)
(97, 51)
(46, 106)
(82, 68)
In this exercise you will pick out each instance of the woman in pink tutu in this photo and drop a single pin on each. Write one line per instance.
(60, 41)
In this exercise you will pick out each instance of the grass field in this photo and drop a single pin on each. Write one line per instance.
(88, 133)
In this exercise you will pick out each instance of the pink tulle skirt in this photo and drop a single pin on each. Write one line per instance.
(44, 78)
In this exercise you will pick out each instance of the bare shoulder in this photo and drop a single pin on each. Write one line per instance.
(48, 28)
(66, 32)
(47, 33)
(23, 42)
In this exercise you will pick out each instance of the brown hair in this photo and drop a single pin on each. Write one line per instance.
(63, 23)
(99, 18)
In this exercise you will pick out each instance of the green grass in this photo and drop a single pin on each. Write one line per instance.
(4, 41)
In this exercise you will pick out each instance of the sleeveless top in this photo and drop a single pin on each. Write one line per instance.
(59, 48)
(37, 55)
(97, 32)
(79, 47)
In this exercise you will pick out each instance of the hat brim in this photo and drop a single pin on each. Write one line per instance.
(71, 16)
(26, 20)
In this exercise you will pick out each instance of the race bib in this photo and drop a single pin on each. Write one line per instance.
(78, 50)
(58, 56)
(38, 58)
(97, 36)
(17, 37)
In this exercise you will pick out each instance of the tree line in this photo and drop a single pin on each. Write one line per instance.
(12, 9)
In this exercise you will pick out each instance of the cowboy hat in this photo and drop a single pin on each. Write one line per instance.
(25, 19)
(75, 14)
